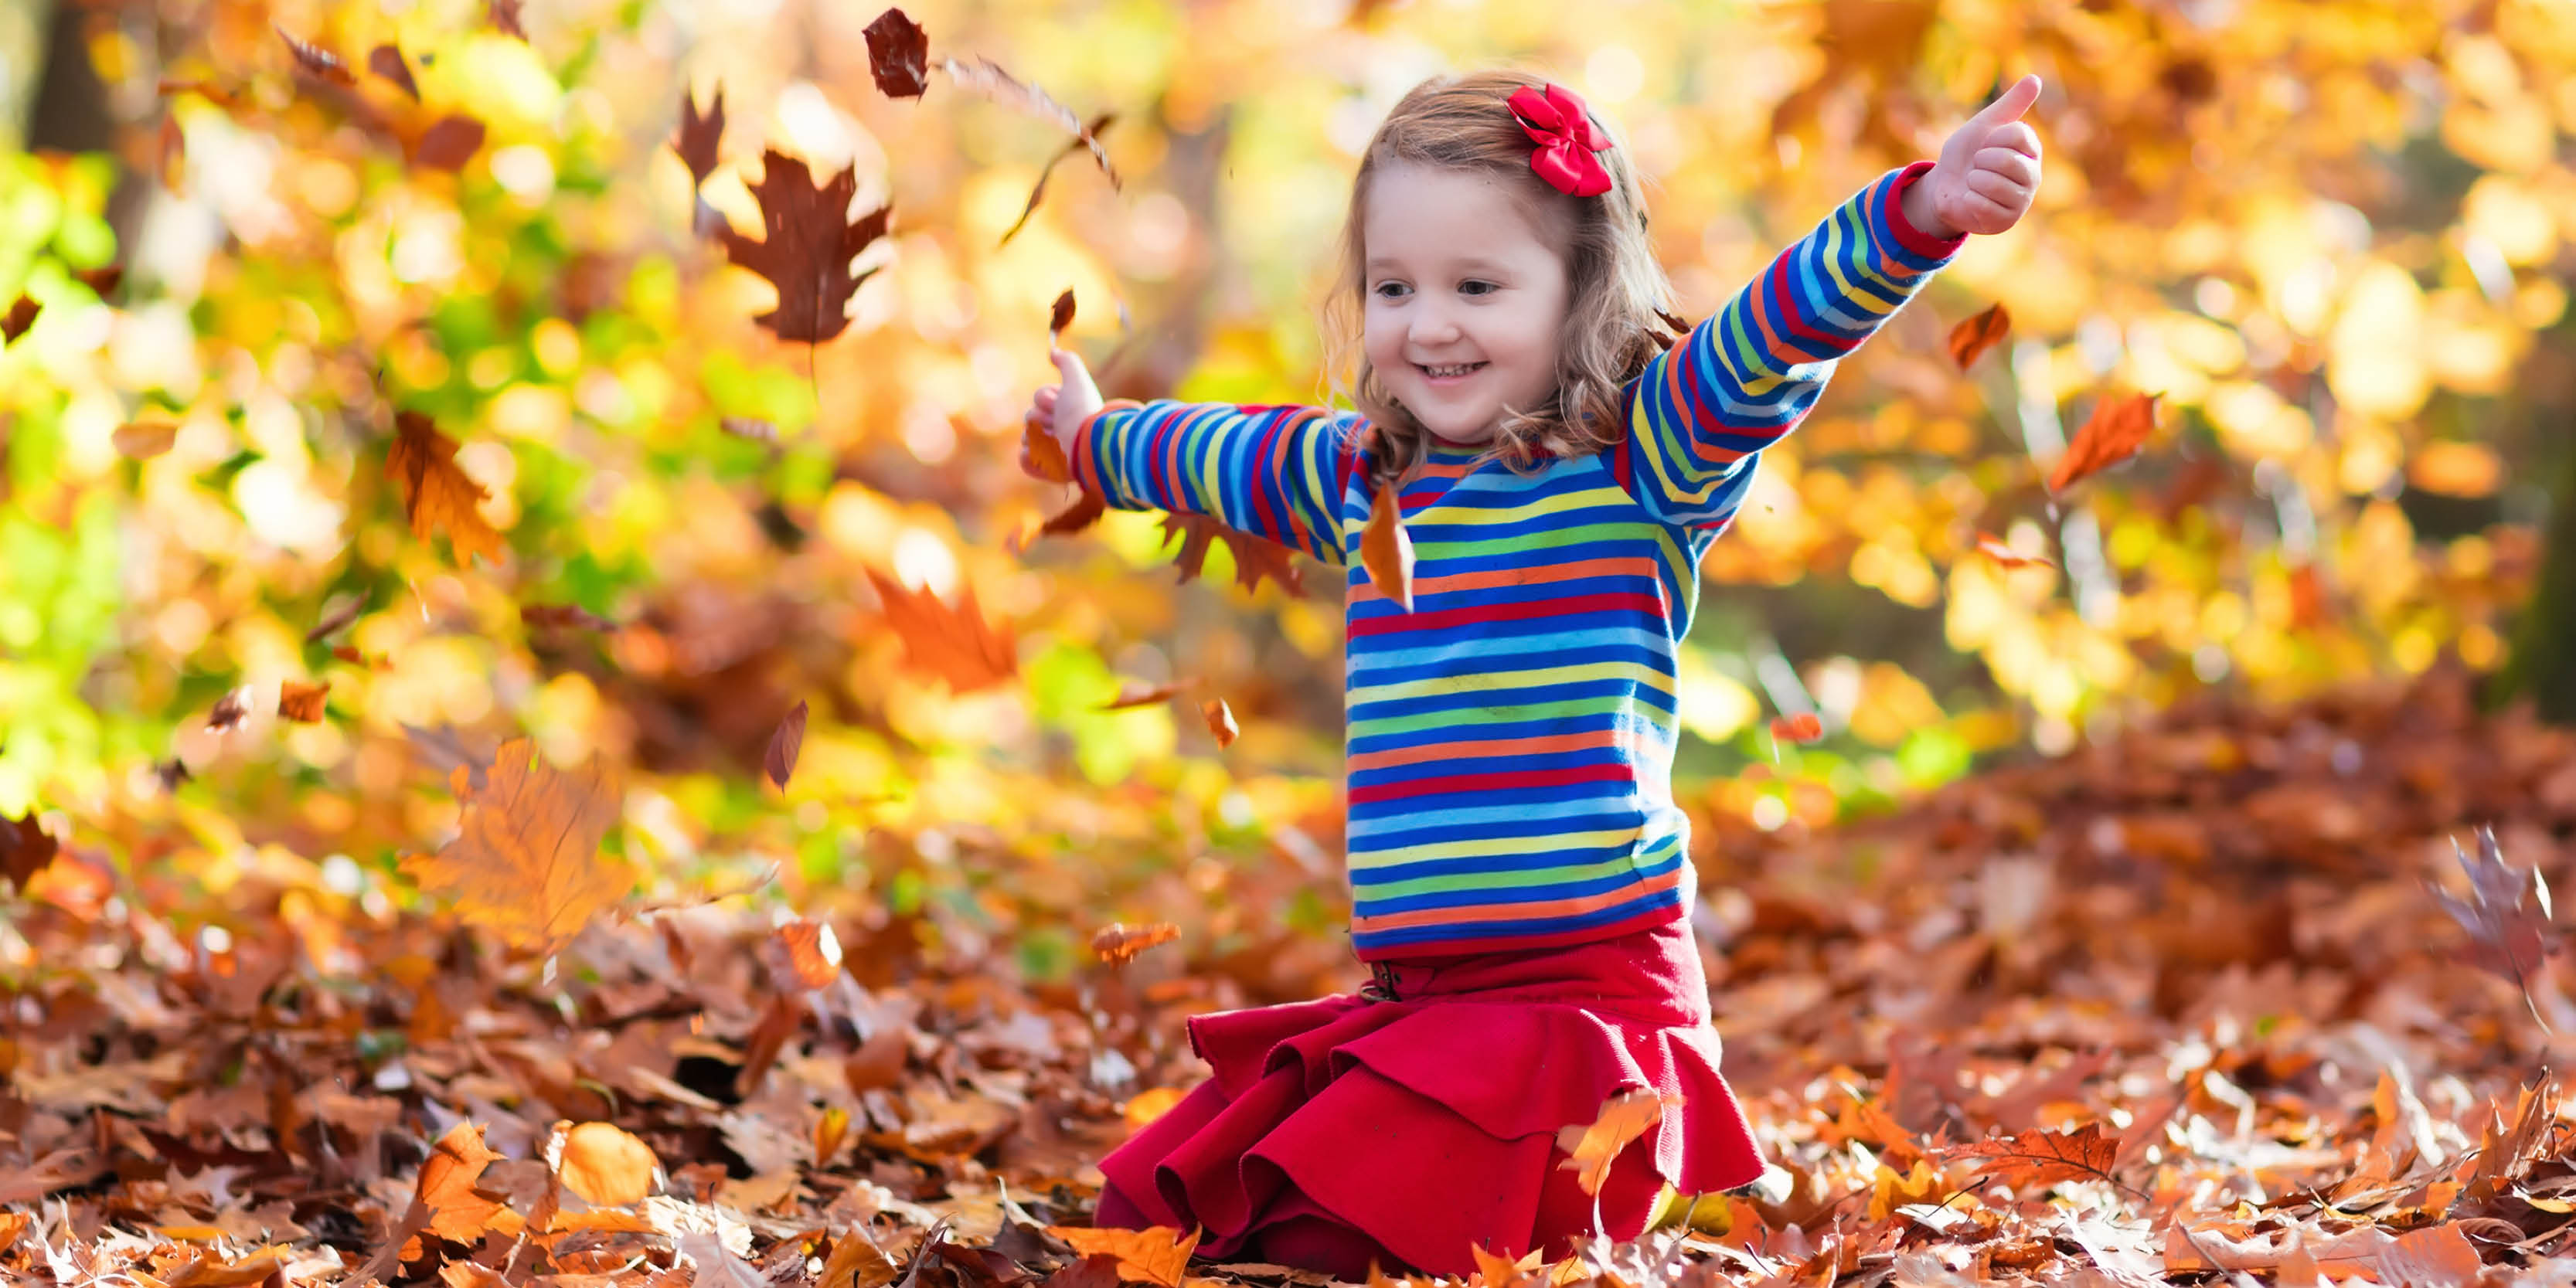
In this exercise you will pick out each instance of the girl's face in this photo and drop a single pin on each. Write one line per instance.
(1464, 299)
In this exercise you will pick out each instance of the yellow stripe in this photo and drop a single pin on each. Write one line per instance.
(1491, 848)
(1506, 681)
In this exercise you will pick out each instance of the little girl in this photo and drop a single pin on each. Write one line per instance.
(1517, 864)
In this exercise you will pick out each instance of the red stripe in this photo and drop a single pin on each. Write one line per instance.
(1443, 619)
(1777, 293)
(1522, 943)
(1447, 783)
(1265, 464)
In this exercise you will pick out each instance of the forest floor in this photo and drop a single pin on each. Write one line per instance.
(2177, 1005)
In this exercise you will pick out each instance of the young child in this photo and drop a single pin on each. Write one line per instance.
(1517, 864)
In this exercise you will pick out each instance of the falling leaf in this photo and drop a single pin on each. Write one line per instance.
(1155, 1255)
(2308, 606)
(229, 710)
(526, 863)
(780, 762)
(606, 1165)
(1060, 316)
(898, 55)
(355, 658)
(1970, 339)
(1086, 510)
(1386, 549)
(2041, 1157)
(808, 243)
(803, 955)
(1804, 726)
(144, 439)
(2001, 551)
(504, 17)
(1037, 193)
(1624, 1116)
(346, 612)
(1220, 721)
(449, 144)
(387, 61)
(953, 644)
(1131, 696)
(171, 772)
(2118, 427)
(21, 316)
(1119, 943)
(25, 849)
(437, 494)
(302, 702)
(102, 281)
(758, 431)
(699, 134)
(317, 60)
(992, 82)
(563, 617)
(2507, 913)
(1255, 557)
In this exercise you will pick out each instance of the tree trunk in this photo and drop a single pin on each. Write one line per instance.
(2543, 666)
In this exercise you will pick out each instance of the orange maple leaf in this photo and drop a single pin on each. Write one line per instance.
(1624, 1117)
(2118, 427)
(1220, 721)
(446, 1194)
(526, 864)
(1118, 942)
(2042, 1157)
(1970, 339)
(1805, 726)
(300, 701)
(436, 494)
(1386, 550)
(1254, 557)
(954, 644)
(1155, 1255)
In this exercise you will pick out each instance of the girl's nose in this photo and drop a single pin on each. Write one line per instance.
(1433, 325)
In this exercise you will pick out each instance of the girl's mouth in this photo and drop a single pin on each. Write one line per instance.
(1449, 375)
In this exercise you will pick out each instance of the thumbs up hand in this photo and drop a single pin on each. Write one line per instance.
(1987, 173)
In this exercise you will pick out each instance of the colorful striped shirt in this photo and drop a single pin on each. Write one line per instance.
(1510, 740)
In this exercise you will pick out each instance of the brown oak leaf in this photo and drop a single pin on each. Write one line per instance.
(2042, 1157)
(504, 17)
(1060, 316)
(317, 60)
(953, 644)
(526, 863)
(387, 61)
(437, 495)
(2118, 427)
(302, 702)
(780, 761)
(699, 134)
(228, 711)
(898, 55)
(25, 849)
(449, 143)
(21, 316)
(808, 241)
(803, 955)
(2506, 914)
(102, 280)
(1254, 557)
(1970, 339)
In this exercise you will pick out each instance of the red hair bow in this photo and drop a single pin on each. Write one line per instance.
(1566, 140)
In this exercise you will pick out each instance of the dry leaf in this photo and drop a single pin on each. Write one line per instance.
(387, 61)
(2436, 1256)
(699, 135)
(831, 1131)
(804, 955)
(340, 615)
(1131, 696)
(1060, 316)
(317, 60)
(1386, 550)
(606, 1165)
(563, 617)
(1156, 1255)
(526, 863)
(1624, 1116)
(2001, 551)
(1970, 339)
(1119, 943)
(437, 495)
(1804, 726)
(302, 702)
(1254, 557)
(1220, 721)
(2507, 913)
(1495, 1271)
(2118, 427)
(446, 1188)
(2042, 1157)
(856, 1261)
(1146, 1106)
(504, 17)
(1037, 192)
(780, 761)
(229, 710)
(21, 316)
(449, 143)
(25, 849)
(989, 80)
(758, 431)
(144, 439)
(102, 281)
(1046, 455)
(953, 644)
(898, 55)
(808, 241)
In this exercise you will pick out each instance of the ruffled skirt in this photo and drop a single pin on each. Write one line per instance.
(1406, 1129)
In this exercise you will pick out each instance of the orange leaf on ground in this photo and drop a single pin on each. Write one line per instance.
(1970, 339)
(1624, 1117)
(302, 702)
(606, 1165)
(856, 1261)
(2042, 1157)
(803, 954)
(1805, 726)
(1495, 1271)
(1386, 550)
(2118, 427)
(526, 863)
(953, 644)
(1146, 1106)
(437, 495)
(446, 1186)
(1220, 721)
(1155, 1255)
(1119, 942)
(780, 760)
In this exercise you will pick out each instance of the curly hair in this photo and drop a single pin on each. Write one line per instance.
(1616, 295)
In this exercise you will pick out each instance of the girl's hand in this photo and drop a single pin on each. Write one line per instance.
(1987, 174)
(1061, 408)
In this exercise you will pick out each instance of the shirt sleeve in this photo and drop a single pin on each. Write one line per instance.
(1704, 409)
(1275, 472)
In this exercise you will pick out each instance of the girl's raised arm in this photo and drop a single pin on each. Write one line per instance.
(1742, 379)
(1275, 472)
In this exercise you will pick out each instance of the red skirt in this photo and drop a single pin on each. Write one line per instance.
(1405, 1131)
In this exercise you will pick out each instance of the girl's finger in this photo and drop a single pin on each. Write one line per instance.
(2017, 136)
(2009, 198)
(2015, 166)
(2009, 108)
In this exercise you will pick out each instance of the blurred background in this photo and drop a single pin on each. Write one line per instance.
(2330, 237)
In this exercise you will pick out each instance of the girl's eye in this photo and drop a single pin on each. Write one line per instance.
(1490, 288)
(1383, 289)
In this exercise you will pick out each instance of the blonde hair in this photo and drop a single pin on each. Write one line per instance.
(1616, 291)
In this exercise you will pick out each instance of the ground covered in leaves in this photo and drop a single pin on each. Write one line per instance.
(2176, 1007)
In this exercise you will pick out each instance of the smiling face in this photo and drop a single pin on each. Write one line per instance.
(1464, 299)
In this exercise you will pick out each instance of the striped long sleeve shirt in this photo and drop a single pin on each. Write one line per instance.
(1510, 740)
